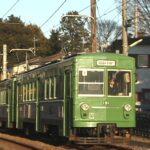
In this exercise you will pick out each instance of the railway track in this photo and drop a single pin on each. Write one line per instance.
(8, 141)
(7, 144)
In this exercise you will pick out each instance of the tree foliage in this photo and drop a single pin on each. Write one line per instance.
(16, 34)
(140, 10)
(144, 15)
(55, 42)
(109, 31)
(75, 37)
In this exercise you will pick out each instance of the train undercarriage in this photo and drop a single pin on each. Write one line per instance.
(103, 133)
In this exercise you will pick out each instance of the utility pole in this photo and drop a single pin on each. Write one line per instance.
(136, 20)
(4, 61)
(124, 27)
(93, 25)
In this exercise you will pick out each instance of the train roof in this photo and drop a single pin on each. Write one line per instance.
(103, 55)
(98, 55)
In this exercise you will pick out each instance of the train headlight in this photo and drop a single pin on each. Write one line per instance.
(85, 107)
(127, 107)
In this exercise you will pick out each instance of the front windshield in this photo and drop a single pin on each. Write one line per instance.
(119, 83)
(91, 82)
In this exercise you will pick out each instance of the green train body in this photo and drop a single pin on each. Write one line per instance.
(73, 97)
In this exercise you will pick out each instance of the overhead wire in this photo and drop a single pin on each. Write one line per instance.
(109, 11)
(10, 8)
(52, 28)
(53, 14)
(79, 12)
(100, 16)
(104, 14)
(87, 7)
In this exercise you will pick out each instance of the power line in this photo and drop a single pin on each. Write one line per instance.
(52, 28)
(109, 11)
(10, 8)
(87, 7)
(53, 14)
(57, 10)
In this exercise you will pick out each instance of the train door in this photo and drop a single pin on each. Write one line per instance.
(67, 101)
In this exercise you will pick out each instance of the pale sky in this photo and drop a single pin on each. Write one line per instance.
(39, 11)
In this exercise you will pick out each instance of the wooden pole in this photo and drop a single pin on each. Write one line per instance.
(93, 25)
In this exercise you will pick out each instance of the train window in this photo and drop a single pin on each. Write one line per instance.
(34, 90)
(3, 97)
(24, 92)
(119, 83)
(55, 87)
(50, 88)
(49, 93)
(19, 92)
(46, 94)
(91, 82)
(27, 92)
(30, 91)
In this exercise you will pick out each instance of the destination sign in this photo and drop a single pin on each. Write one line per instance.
(106, 63)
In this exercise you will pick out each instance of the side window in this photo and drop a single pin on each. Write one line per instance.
(27, 91)
(24, 92)
(46, 89)
(30, 91)
(20, 92)
(34, 90)
(50, 85)
(3, 97)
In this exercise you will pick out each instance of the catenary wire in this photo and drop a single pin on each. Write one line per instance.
(53, 14)
(79, 12)
(10, 8)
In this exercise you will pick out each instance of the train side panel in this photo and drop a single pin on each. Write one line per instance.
(7, 103)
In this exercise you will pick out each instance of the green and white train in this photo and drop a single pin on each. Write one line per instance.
(82, 97)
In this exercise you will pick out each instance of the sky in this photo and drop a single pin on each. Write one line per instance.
(40, 12)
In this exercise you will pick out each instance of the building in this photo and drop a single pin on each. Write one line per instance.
(31, 64)
(141, 53)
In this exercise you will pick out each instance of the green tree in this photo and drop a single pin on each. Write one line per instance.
(55, 42)
(39, 42)
(75, 37)
(16, 34)
(13, 19)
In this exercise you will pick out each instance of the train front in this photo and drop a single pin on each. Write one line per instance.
(104, 99)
